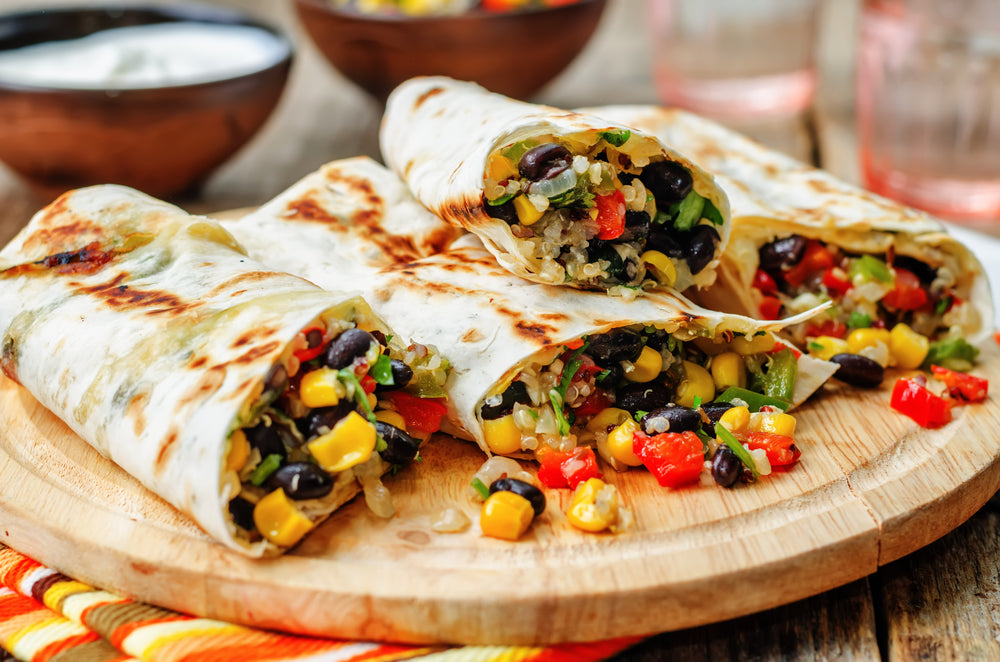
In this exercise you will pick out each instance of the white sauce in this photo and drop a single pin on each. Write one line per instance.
(144, 56)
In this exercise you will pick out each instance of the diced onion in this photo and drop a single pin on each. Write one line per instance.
(553, 186)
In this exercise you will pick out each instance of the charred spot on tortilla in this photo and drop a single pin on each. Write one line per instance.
(135, 408)
(88, 259)
(535, 331)
(307, 209)
(166, 449)
(434, 91)
(118, 294)
(198, 362)
(255, 353)
(472, 335)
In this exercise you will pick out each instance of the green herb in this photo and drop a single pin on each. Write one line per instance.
(380, 444)
(706, 443)
(734, 445)
(264, 470)
(618, 137)
(859, 320)
(496, 202)
(556, 398)
(696, 402)
(639, 414)
(870, 268)
(712, 213)
(558, 395)
(689, 211)
(347, 375)
(952, 353)
(578, 197)
(943, 304)
(480, 487)
(754, 400)
(532, 413)
(814, 346)
(602, 375)
(381, 372)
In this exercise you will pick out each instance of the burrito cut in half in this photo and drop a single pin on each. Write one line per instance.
(904, 291)
(558, 197)
(245, 397)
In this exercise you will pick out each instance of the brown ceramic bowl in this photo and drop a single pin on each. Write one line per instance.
(514, 53)
(164, 141)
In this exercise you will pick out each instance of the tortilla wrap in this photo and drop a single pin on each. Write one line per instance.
(161, 344)
(496, 328)
(558, 197)
(775, 196)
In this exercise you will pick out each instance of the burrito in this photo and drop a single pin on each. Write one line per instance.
(903, 291)
(245, 397)
(538, 366)
(558, 197)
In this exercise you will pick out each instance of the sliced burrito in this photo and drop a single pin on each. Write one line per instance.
(903, 290)
(245, 397)
(558, 197)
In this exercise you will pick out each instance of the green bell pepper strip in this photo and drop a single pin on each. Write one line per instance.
(952, 353)
(754, 400)
(734, 445)
(689, 211)
(870, 268)
(779, 380)
(263, 471)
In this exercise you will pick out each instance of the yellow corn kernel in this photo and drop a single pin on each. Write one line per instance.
(736, 419)
(646, 367)
(350, 442)
(278, 520)
(505, 515)
(527, 213)
(319, 388)
(729, 369)
(502, 435)
(239, 451)
(500, 168)
(607, 418)
(697, 383)
(825, 347)
(711, 346)
(757, 344)
(661, 266)
(907, 348)
(583, 512)
(393, 418)
(858, 339)
(773, 422)
(620, 443)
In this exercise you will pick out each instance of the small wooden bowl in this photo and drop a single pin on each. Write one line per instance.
(164, 141)
(513, 53)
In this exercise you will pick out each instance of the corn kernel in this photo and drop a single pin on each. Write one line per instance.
(907, 348)
(661, 266)
(697, 383)
(757, 344)
(501, 168)
(825, 347)
(527, 213)
(735, 419)
(620, 443)
(646, 367)
(278, 520)
(710, 346)
(858, 339)
(350, 442)
(319, 388)
(239, 451)
(606, 418)
(502, 435)
(773, 422)
(393, 418)
(505, 515)
(729, 369)
(583, 512)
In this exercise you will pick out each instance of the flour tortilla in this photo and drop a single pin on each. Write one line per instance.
(438, 135)
(151, 334)
(773, 195)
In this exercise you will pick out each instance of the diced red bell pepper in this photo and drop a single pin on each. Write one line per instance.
(780, 346)
(764, 282)
(574, 344)
(569, 469)
(368, 384)
(836, 282)
(610, 215)
(596, 402)
(313, 350)
(831, 328)
(770, 308)
(962, 387)
(816, 258)
(674, 458)
(911, 398)
(781, 450)
(907, 294)
(421, 414)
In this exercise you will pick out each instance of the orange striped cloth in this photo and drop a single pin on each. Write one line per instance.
(46, 616)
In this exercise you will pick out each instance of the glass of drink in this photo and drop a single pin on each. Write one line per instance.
(928, 105)
(735, 59)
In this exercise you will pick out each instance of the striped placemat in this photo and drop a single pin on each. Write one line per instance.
(47, 616)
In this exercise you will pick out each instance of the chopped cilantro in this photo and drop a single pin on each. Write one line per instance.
(578, 197)
(712, 213)
(859, 320)
(618, 137)
(480, 487)
(347, 376)
(721, 432)
(943, 304)
(501, 200)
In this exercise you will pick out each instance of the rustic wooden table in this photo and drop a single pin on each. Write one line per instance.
(942, 602)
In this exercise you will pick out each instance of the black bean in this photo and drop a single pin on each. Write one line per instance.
(505, 212)
(379, 337)
(700, 248)
(602, 250)
(925, 272)
(782, 253)
(614, 346)
(321, 419)
(858, 370)
(241, 511)
(667, 240)
(301, 480)
(714, 411)
(726, 467)
(527, 490)
(636, 226)
(642, 397)
(266, 439)
(613, 376)
(348, 346)
(668, 181)
(400, 448)
(401, 374)
(544, 161)
(679, 419)
(516, 392)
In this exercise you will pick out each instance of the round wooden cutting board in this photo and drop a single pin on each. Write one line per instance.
(871, 486)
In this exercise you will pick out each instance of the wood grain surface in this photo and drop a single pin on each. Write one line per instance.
(870, 487)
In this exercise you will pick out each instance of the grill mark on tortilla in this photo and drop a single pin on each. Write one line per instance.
(440, 239)
(198, 362)
(251, 277)
(136, 407)
(69, 232)
(166, 450)
(116, 293)
(396, 248)
(434, 91)
(309, 210)
(472, 335)
(251, 335)
(255, 353)
(533, 330)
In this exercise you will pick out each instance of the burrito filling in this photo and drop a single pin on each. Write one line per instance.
(346, 404)
(895, 310)
(623, 390)
(603, 209)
